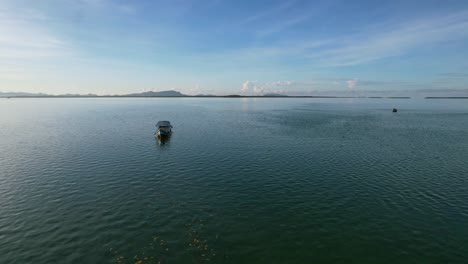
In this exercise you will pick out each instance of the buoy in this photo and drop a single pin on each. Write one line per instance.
(394, 110)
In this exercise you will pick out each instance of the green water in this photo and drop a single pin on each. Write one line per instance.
(240, 181)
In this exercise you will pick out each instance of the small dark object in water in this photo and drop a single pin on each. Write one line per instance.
(164, 129)
(394, 110)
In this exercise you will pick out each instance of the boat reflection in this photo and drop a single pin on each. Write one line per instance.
(163, 141)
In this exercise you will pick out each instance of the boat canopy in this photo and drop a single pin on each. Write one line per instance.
(163, 124)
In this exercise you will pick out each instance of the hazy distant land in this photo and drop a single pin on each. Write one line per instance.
(446, 97)
(172, 93)
(169, 93)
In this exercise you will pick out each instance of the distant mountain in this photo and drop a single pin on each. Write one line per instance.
(20, 94)
(15, 94)
(144, 94)
(156, 94)
(420, 93)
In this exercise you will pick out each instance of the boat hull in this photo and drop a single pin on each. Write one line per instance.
(163, 129)
(162, 133)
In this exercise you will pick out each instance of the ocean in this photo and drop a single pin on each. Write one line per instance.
(241, 180)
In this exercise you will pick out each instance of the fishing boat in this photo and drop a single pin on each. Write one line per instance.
(163, 129)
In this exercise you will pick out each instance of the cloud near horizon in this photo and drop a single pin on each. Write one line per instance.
(285, 87)
(352, 84)
(91, 46)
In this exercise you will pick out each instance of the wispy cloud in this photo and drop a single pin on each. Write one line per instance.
(254, 16)
(277, 18)
(29, 32)
(159, 41)
(108, 4)
(283, 25)
(454, 74)
(23, 37)
(370, 44)
(394, 40)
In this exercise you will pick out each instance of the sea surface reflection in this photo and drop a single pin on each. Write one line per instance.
(241, 181)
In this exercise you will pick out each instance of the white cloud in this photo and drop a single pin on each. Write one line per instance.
(352, 84)
(326, 86)
(278, 87)
(197, 89)
(255, 88)
(248, 87)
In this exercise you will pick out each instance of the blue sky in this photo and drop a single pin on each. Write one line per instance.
(225, 47)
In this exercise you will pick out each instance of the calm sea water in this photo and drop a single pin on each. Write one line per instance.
(240, 181)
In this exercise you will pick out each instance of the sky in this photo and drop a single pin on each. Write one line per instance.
(233, 47)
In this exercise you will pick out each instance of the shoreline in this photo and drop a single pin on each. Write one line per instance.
(240, 96)
(224, 96)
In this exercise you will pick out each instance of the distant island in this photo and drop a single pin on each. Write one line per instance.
(169, 93)
(21, 94)
(274, 95)
(172, 93)
(143, 94)
(446, 97)
(156, 94)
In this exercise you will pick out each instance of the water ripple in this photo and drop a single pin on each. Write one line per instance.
(239, 181)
